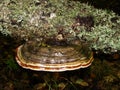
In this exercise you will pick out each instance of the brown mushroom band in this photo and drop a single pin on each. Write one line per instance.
(77, 64)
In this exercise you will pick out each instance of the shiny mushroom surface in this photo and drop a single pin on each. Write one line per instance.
(53, 58)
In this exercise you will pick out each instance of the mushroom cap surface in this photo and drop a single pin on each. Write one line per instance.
(54, 58)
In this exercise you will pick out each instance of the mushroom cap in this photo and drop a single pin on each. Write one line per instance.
(54, 58)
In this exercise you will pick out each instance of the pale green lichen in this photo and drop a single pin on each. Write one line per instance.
(35, 18)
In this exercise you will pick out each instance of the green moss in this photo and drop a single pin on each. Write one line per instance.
(11, 64)
(36, 18)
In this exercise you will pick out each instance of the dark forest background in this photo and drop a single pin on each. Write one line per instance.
(105, 4)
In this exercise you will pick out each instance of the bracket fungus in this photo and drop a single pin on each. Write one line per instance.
(53, 57)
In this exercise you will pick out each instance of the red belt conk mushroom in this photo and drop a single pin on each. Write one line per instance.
(53, 57)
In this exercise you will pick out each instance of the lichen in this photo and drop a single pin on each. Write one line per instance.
(47, 18)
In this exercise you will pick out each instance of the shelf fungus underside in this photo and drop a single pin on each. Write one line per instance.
(54, 58)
